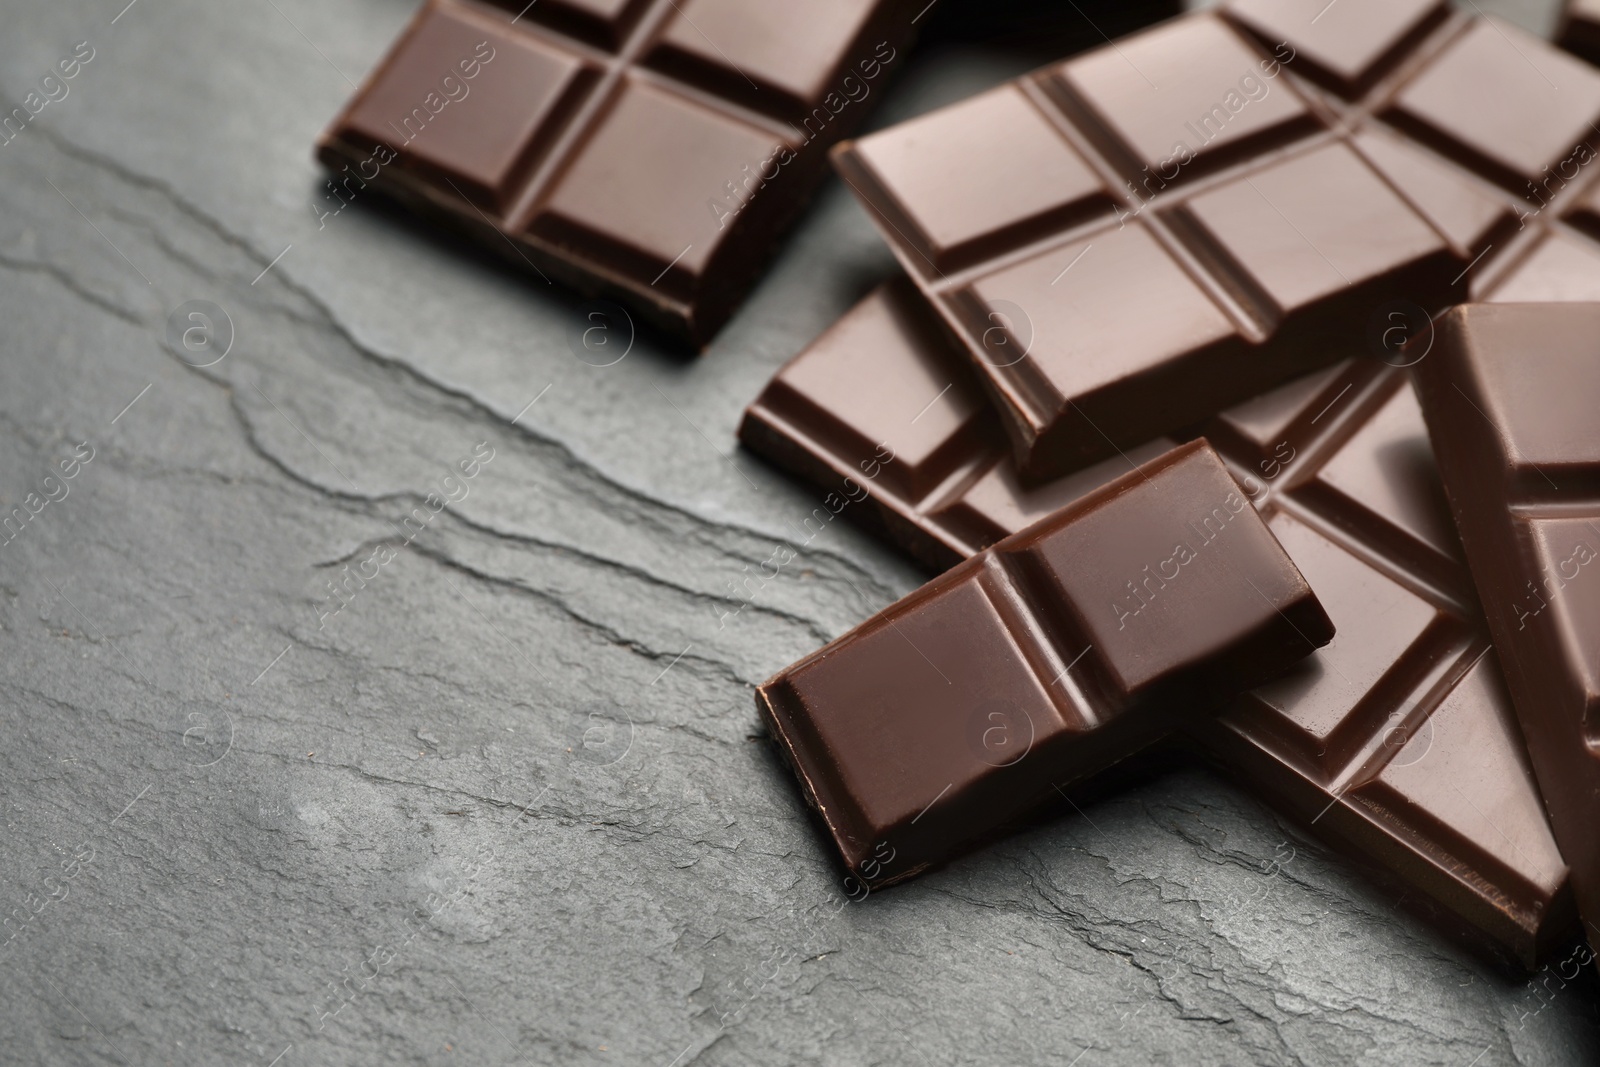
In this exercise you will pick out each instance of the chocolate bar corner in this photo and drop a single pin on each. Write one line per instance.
(1040, 661)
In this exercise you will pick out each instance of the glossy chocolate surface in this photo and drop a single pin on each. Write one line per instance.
(1396, 742)
(1043, 659)
(1510, 393)
(648, 150)
(1130, 240)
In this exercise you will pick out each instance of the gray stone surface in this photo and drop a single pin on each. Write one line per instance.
(512, 804)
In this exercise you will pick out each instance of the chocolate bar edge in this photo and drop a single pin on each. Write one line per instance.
(1156, 712)
(1484, 913)
(1470, 462)
(761, 228)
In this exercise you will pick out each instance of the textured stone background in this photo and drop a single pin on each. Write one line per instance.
(241, 836)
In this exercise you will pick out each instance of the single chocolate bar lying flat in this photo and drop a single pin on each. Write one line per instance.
(1045, 658)
(1511, 393)
(649, 150)
(1396, 743)
(1134, 238)
(1579, 31)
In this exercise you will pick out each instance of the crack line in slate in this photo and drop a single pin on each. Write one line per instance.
(72, 285)
(567, 457)
(455, 795)
(98, 631)
(612, 636)
(582, 820)
(135, 463)
(331, 320)
(302, 433)
(57, 703)
(814, 629)
(272, 459)
(497, 629)
(85, 1018)
(144, 181)
(673, 664)
(97, 229)
(1087, 925)
(274, 263)
(530, 404)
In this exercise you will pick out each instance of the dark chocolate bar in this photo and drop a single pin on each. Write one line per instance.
(1391, 743)
(1050, 656)
(1511, 393)
(1044, 28)
(1579, 31)
(649, 150)
(1129, 240)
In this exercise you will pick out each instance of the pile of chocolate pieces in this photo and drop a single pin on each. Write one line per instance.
(1317, 277)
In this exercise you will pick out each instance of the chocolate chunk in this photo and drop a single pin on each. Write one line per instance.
(1510, 394)
(1130, 240)
(1372, 741)
(648, 150)
(1045, 658)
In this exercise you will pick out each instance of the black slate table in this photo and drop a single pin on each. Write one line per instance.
(501, 797)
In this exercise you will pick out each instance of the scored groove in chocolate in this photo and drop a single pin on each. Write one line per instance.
(1383, 108)
(958, 709)
(1349, 445)
(1363, 742)
(1354, 46)
(649, 150)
